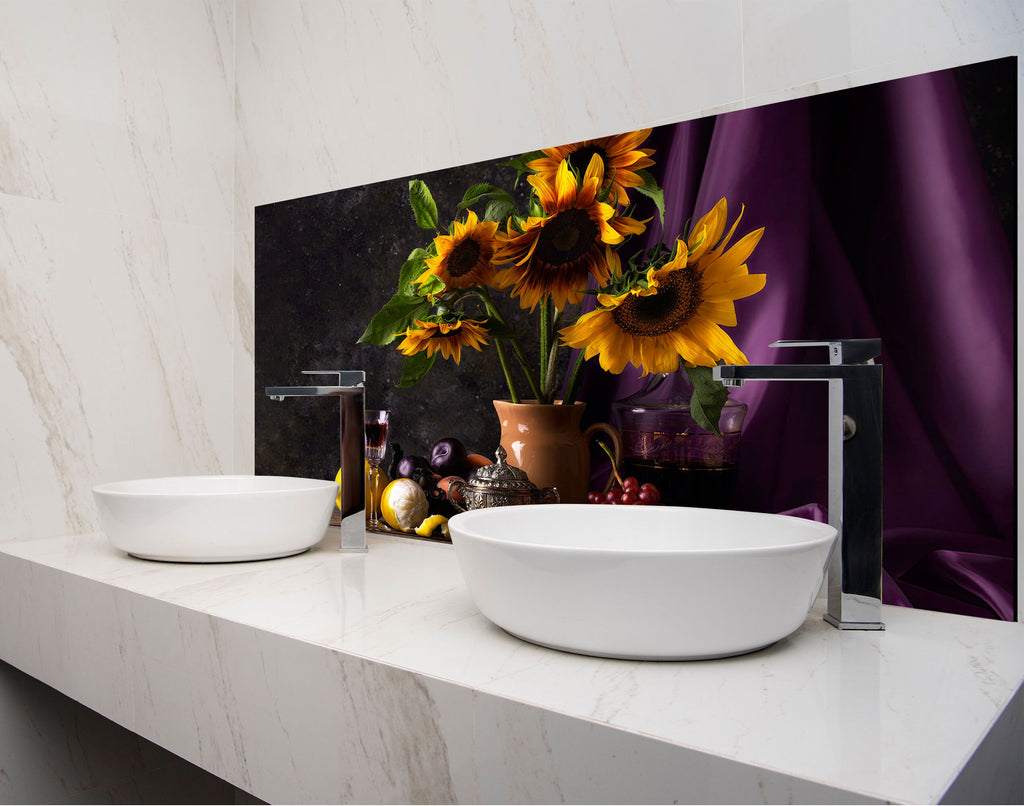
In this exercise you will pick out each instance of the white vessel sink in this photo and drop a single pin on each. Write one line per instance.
(208, 519)
(651, 583)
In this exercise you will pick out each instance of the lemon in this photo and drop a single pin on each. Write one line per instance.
(403, 505)
(426, 529)
(384, 481)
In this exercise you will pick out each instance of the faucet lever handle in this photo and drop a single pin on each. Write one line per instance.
(840, 351)
(345, 377)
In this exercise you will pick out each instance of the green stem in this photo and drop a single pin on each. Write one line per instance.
(611, 458)
(545, 345)
(517, 348)
(512, 391)
(573, 387)
(520, 356)
(551, 376)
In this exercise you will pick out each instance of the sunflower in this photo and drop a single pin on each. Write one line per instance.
(464, 257)
(620, 154)
(676, 310)
(555, 255)
(448, 336)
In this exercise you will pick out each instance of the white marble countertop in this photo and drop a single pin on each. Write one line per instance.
(373, 678)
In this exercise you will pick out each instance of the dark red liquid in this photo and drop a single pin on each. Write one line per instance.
(684, 485)
(376, 434)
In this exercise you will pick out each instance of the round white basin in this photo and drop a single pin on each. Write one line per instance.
(651, 583)
(206, 519)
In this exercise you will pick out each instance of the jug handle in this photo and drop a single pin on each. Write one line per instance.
(613, 433)
(456, 486)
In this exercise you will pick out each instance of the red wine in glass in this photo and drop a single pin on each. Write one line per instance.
(375, 430)
(376, 440)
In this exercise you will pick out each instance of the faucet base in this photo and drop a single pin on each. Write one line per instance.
(853, 625)
(353, 533)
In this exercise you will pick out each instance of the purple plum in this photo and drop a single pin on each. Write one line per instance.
(448, 457)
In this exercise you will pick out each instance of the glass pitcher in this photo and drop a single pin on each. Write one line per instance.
(662, 444)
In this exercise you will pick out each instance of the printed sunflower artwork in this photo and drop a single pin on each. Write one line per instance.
(661, 313)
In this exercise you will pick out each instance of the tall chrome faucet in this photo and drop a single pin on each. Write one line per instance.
(349, 390)
(854, 469)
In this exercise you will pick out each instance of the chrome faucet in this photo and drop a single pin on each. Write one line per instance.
(854, 469)
(349, 390)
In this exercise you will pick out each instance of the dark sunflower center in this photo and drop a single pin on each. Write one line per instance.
(463, 258)
(566, 237)
(580, 159)
(677, 300)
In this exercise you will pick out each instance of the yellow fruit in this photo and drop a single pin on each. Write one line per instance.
(384, 481)
(403, 505)
(426, 529)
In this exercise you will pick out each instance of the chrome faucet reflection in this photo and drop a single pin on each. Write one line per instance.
(349, 389)
(854, 469)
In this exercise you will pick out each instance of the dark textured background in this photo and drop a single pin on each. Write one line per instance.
(326, 263)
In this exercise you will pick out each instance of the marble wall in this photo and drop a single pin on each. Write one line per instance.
(116, 306)
(116, 317)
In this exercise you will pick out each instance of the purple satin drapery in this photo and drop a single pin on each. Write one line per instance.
(878, 223)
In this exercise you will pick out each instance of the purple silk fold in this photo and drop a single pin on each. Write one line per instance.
(878, 223)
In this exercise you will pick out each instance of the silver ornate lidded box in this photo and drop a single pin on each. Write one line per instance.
(499, 485)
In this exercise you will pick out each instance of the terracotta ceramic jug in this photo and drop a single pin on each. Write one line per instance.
(545, 441)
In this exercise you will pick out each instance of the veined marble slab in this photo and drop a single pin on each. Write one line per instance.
(373, 678)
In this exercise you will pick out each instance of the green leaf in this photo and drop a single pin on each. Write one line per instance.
(433, 285)
(414, 368)
(536, 210)
(500, 210)
(423, 205)
(708, 398)
(519, 163)
(412, 269)
(651, 190)
(394, 319)
(498, 330)
(483, 191)
(516, 224)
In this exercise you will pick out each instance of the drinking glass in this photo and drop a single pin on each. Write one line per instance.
(376, 431)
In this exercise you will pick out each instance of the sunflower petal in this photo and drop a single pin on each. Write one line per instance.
(713, 221)
(737, 255)
(738, 287)
(723, 312)
(717, 342)
(622, 143)
(721, 244)
(565, 188)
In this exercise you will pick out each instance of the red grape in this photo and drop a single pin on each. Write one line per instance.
(653, 496)
(631, 492)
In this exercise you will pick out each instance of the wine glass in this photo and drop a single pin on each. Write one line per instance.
(376, 431)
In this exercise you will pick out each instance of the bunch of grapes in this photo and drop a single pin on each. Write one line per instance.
(627, 491)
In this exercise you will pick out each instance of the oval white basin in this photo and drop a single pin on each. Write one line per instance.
(650, 583)
(208, 519)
